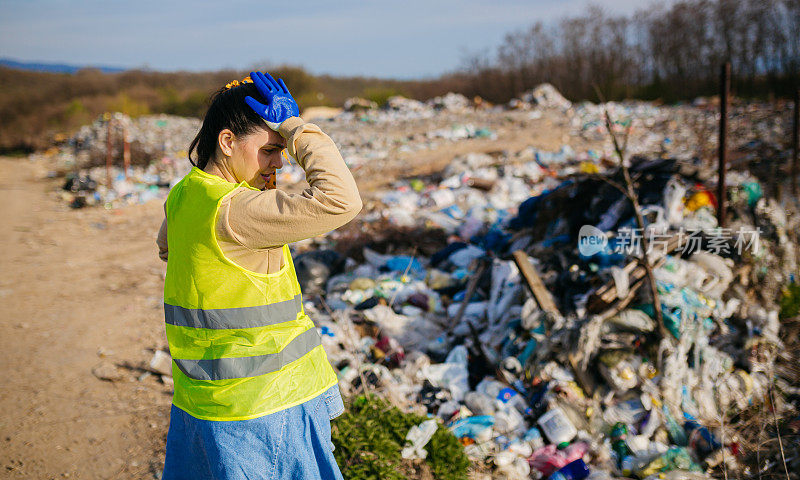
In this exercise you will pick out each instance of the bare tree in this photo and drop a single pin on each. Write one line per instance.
(671, 51)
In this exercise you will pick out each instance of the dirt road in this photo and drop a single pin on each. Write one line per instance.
(80, 290)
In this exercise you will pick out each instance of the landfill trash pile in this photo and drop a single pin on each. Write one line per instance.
(566, 373)
(376, 140)
(677, 131)
(504, 295)
(454, 102)
(544, 96)
(360, 130)
(157, 146)
(358, 103)
(150, 137)
(399, 108)
(363, 139)
(408, 107)
(140, 185)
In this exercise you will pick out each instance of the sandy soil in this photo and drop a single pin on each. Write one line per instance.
(81, 289)
(82, 294)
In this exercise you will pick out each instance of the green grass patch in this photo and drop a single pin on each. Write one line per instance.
(381, 95)
(790, 301)
(370, 435)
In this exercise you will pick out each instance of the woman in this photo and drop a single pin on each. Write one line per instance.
(254, 391)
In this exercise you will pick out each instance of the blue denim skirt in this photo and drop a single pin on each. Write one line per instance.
(294, 443)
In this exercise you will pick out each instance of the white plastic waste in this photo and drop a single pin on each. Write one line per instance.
(452, 374)
(479, 403)
(556, 425)
(506, 288)
(511, 465)
(161, 362)
(673, 201)
(417, 437)
(508, 420)
(718, 270)
(632, 320)
(462, 258)
(621, 281)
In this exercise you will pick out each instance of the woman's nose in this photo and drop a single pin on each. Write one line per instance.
(277, 162)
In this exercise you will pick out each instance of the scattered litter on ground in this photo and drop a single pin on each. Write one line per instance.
(541, 350)
(504, 297)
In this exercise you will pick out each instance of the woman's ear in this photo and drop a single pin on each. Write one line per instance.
(225, 141)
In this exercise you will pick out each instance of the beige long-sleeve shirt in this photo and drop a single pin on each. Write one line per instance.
(252, 226)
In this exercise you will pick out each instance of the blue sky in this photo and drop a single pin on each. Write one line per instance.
(400, 39)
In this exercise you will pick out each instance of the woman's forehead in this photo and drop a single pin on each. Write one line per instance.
(263, 137)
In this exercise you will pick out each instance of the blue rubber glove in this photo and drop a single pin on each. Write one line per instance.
(280, 104)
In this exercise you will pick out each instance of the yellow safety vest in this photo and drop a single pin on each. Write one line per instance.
(241, 344)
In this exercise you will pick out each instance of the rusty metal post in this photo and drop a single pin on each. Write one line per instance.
(725, 86)
(795, 146)
(126, 149)
(108, 151)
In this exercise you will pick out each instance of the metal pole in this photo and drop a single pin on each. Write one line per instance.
(126, 149)
(795, 134)
(108, 152)
(725, 86)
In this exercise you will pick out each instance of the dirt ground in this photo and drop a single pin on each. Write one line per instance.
(81, 290)
(81, 297)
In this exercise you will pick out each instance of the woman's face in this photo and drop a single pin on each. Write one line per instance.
(255, 157)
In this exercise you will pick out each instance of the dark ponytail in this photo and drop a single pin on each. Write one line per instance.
(227, 110)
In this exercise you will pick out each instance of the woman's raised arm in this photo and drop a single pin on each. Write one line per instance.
(270, 218)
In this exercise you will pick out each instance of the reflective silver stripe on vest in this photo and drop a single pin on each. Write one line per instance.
(244, 317)
(229, 368)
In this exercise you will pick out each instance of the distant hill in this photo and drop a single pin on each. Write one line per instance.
(54, 67)
(37, 106)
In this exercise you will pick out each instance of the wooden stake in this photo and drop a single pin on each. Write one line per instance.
(535, 284)
(108, 151)
(630, 193)
(126, 150)
(483, 263)
(795, 134)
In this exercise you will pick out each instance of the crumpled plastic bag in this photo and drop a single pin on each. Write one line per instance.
(452, 374)
(417, 437)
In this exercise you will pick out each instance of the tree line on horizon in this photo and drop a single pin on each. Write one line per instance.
(669, 52)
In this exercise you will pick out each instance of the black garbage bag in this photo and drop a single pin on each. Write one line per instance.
(76, 183)
(315, 268)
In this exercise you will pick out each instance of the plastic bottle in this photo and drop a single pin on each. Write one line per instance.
(478, 427)
(526, 353)
(556, 425)
(628, 465)
(479, 403)
(509, 396)
(576, 470)
(619, 444)
(503, 395)
(675, 430)
(534, 437)
(701, 440)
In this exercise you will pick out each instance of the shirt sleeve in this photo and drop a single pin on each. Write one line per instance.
(161, 241)
(270, 218)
